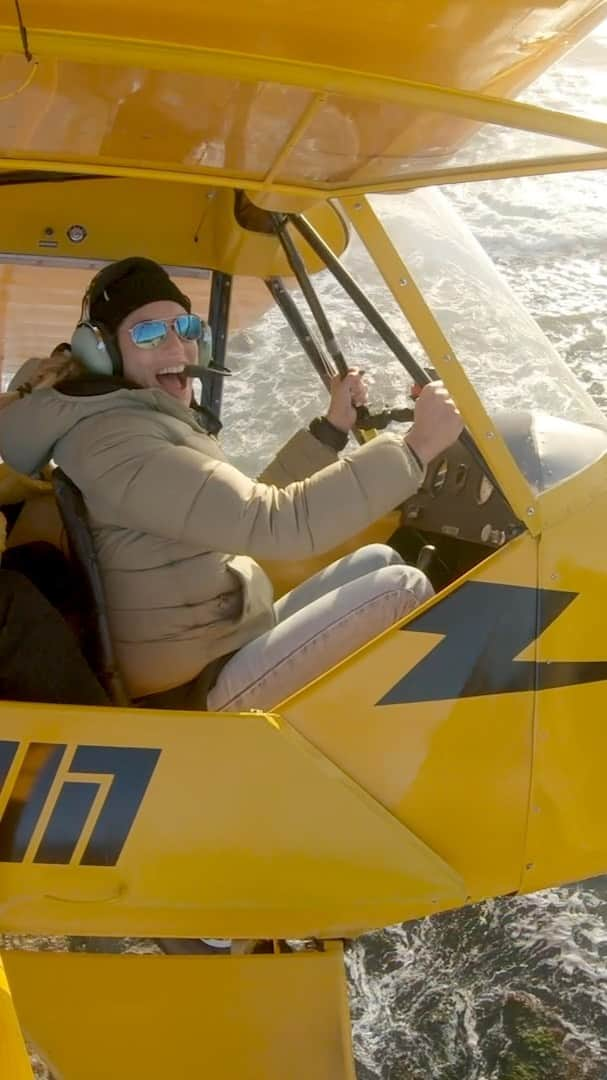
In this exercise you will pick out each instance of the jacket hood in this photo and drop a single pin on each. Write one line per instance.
(31, 427)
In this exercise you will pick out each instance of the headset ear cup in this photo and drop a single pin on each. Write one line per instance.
(95, 350)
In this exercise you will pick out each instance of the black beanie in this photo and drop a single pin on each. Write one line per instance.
(124, 286)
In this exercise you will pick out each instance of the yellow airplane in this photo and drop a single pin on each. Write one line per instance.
(458, 756)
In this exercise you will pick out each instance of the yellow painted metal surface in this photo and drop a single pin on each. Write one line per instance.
(506, 787)
(182, 226)
(285, 102)
(567, 809)
(456, 771)
(14, 1062)
(439, 43)
(230, 837)
(153, 1017)
(575, 495)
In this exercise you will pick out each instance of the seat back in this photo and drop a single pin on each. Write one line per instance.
(96, 638)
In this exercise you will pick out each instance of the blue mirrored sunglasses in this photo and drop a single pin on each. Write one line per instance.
(152, 332)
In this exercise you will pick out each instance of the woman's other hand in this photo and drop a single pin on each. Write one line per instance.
(437, 422)
(347, 393)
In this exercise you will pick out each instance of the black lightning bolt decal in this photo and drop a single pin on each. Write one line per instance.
(484, 626)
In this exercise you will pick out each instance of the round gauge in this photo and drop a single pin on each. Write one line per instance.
(76, 233)
(485, 490)
(439, 478)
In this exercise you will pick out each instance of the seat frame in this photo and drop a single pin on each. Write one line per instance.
(97, 641)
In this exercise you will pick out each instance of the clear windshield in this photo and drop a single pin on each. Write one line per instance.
(502, 349)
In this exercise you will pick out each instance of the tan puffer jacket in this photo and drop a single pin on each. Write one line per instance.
(177, 528)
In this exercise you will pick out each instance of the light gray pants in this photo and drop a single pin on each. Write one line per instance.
(318, 624)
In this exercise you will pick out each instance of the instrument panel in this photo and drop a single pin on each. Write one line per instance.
(458, 500)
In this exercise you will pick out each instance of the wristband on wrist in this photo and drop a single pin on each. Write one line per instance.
(326, 433)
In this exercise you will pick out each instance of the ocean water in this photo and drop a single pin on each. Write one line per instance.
(455, 997)
(459, 996)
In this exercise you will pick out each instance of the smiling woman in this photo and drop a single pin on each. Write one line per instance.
(166, 366)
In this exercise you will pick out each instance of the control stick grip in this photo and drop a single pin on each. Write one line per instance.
(425, 559)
